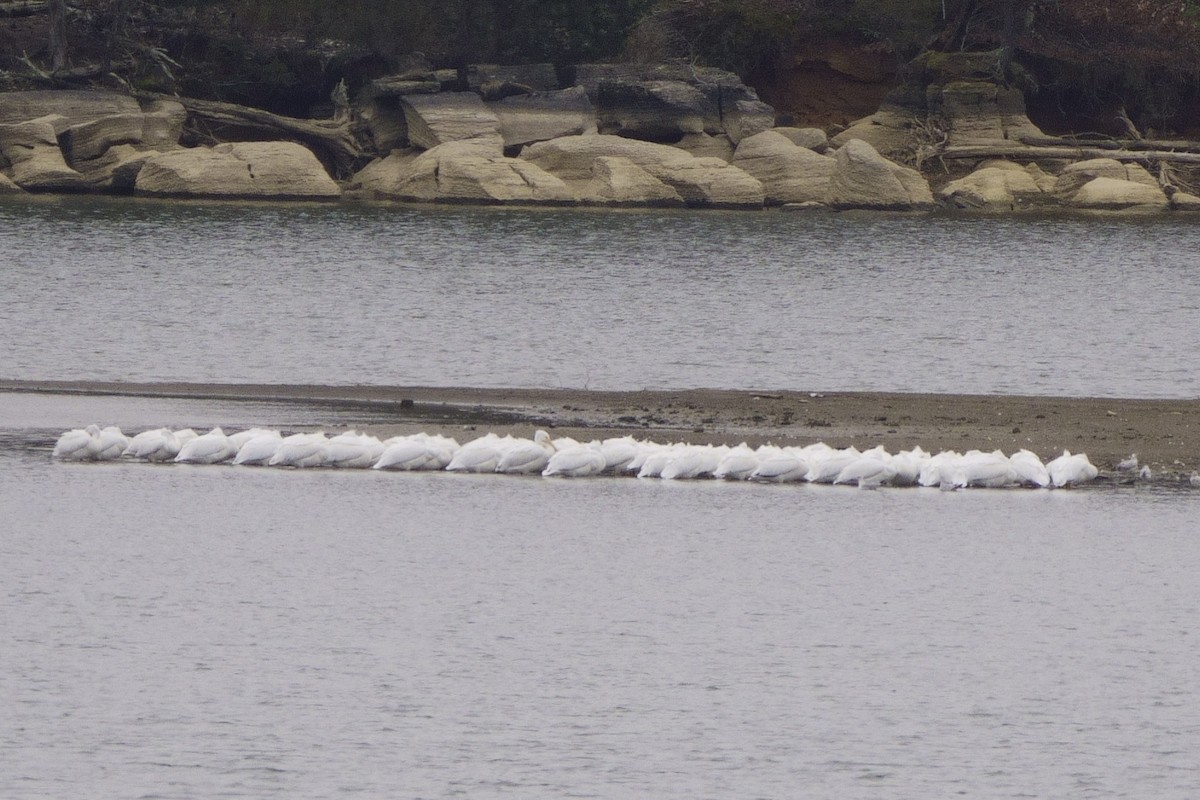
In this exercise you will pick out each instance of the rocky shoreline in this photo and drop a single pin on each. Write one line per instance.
(616, 136)
(1165, 434)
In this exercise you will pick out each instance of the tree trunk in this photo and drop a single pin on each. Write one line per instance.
(58, 35)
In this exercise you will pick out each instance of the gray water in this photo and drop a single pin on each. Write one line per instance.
(128, 290)
(219, 632)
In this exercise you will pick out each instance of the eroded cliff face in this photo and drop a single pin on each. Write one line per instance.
(830, 82)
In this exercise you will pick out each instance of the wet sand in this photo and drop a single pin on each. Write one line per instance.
(1165, 434)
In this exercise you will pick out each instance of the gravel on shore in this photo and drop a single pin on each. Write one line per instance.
(1165, 434)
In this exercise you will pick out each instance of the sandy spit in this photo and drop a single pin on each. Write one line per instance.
(1165, 434)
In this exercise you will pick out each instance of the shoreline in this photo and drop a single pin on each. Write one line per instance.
(1164, 433)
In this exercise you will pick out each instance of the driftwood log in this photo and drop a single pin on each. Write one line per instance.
(1070, 153)
(335, 140)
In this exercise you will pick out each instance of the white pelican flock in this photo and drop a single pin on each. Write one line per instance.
(566, 457)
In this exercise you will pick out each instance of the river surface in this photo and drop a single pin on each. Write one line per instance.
(148, 291)
(203, 632)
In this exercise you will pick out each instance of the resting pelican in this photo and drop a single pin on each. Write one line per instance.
(257, 451)
(780, 465)
(157, 444)
(354, 450)
(1071, 470)
(693, 461)
(301, 450)
(868, 471)
(580, 461)
(211, 448)
(79, 444)
(478, 455)
(737, 464)
(526, 456)
(1029, 469)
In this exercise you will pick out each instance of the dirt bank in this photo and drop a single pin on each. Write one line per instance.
(1165, 434)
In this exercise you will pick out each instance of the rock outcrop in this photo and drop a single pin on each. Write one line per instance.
(1075, 176)
(891, 130)
(74, 107)
(7, 186)
(620, 182)
(536, 117)
(468, 171)
(863, 179)
(999, 187)
(1112, 194)
(788, 173)
(33, 159)
(702, 145)
(812, 138)
(253, 170)
(434, 119)
(701, 182)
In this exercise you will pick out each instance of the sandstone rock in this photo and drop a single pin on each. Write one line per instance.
(809, 205)
(256, 170)
(619, 181)
(7, 186)
(699, 181)
(466, 172)
(1044, 180)
(862, 178)
(981, 112)
(1182, 201)
(1112, 194)
(890, 130)
(745, 117)
(655, 110)
(434, 119)
(994, 188)
(703, 145)
(788, 173)
(162, 124)
(89, 140)
(534, 77)
(116, 169)
(1075, 176)
(400, 85)
(75, 107)
(712, 183)
(34, 160)
(536, 117)
(811, 138)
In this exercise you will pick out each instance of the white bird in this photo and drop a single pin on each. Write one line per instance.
(1029, 469)
(301, 450)
(907, 464)
(868, 471)
(990, 470)
(1071, 470)
(257, 451)
(110, 444)
(478, 455)
(825, 469)
(420, 451)
(78, 444)
(156, 444)
(780, 465)
(526, 456)
(738, 464)
(580, 461)
(354, 450)
(1128, 464)
(619, 453)
(693, 461)
(210, 448)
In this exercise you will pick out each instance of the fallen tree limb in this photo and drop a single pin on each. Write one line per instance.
(24, 8)
(1069, 153)
(334, 139)
(1180, 145)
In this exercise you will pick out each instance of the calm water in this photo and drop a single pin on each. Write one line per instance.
(341, 294)
(205, 632)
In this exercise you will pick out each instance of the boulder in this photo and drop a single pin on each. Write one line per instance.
(255, 170)
(7, 186)
(746, 117)
(89, 140)
(162, 125)
(788, 173)
(536, 117)
(1112, 194)
(488, 78)
(378, 107)
(862, 178)
(1044, 180)
(1182, 201)
(434, 119)
(991, 188)
(382, 174)
(655, 111)
(703, 145)
(117, 169)
(620, 182)
(812, 138)
(977, 112)
(1074, 176)
(75, 107)
(33, 157)
(890, 131)
(469, 172)
(699, 181)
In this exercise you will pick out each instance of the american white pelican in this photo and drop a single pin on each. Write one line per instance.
(258, 450)
(354, 450)
(693, 461)
(157, 444)
(1071, 470)
(210, 448)
(526, 456)
(301, 450)
(478, 455)
(1029, 469)
(780, 465)
(737, 464)
(79, 444)
(580, 461)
